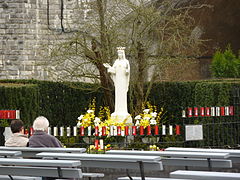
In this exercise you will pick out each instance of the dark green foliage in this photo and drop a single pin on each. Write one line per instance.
(225, 65)
(62, 104)
(173, 97)
(20, 97)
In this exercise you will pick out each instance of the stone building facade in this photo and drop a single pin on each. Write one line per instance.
(26, 26)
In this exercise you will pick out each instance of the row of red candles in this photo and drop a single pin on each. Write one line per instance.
(9, 114)
(209, 111)
(149, 130)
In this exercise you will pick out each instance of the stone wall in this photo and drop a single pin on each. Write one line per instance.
(26, 26)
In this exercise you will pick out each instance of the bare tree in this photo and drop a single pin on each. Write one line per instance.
(156, 34)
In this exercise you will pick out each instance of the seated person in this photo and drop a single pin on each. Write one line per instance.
(18, 138)
(40, 137)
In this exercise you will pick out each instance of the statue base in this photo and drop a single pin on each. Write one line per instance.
(122, 118)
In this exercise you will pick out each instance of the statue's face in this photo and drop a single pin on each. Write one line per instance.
(121, 54)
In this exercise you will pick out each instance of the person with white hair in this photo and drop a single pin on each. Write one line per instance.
(40, 137)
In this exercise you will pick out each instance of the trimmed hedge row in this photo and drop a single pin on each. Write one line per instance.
(175, 96)
(62, 104)
(59, 102)
(21, 96)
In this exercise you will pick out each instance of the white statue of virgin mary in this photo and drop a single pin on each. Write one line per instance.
(120, 74)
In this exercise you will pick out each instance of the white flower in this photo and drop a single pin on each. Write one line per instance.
(138, 117)
(79, 124)
(80, 117)
(96, 123)
(90, 111)
(153, 122)
(146, 118)
(154, 114)
(146, 111)
(97, 119)
(137, 123)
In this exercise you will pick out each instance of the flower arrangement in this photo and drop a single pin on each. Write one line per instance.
(149, 116)
(97, 149)
(153, 148)
(103, 119)
(88, 118)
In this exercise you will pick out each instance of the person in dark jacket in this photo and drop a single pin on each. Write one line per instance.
(40, 137)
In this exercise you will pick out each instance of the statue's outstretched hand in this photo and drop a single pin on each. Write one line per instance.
(106, 65)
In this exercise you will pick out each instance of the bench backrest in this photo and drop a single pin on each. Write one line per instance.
(40, 171)
(205, 175)
(172, 154)
(31, 152)
(10, 153)
(40, 167)
(232, 152)
(186, 159)
(196, 162)
(109, 160)
(39, 162)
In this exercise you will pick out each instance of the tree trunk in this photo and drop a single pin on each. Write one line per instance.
(107, 85)
(139, 90)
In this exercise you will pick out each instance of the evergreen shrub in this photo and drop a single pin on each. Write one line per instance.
(62, 103)
(225, 64)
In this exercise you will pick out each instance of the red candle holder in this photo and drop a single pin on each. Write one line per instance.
(104, 131)
(119, 130)
(31, 131)
(141, 130)
(156, 130)
(96, 131)
(149, 130)
(96, 144)
(177, 130)
(126, 130)
(81, 131)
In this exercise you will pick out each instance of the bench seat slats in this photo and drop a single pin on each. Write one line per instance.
(5, 177)
(42, 149)
(31, 152)
(10, 153)
(101, 157)
(232, 152)
(205, 175)
(216, 163)
(157, 166)
(40, 171)
(211, 155)
(39, 162)
(93, 175)
(148, 178)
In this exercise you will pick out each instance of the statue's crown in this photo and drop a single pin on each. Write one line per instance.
(120, 48)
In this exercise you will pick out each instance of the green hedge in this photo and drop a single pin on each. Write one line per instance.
(24, 97)
(59, 102)
(175, 96)
(62, 103)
